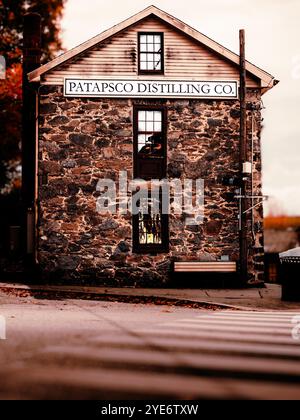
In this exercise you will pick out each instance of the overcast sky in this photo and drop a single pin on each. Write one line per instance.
(273, 43)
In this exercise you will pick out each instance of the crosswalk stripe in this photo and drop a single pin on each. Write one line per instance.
(274, 324)
(211, 321)
(185, 362)
(251, 316)
(233, 328)
(241, 327)
(270, 313)
(102, 382)
(204, 345)
(224, 335)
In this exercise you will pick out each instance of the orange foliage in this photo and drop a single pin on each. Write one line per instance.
(282, 222)
(11, 87)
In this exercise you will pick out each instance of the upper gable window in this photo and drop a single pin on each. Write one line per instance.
(151, 54)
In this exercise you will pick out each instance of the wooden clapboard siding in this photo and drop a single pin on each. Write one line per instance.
(117, 57)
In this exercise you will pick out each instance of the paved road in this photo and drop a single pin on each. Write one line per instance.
(97, 350)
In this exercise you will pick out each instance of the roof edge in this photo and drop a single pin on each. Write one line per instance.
(267, 80)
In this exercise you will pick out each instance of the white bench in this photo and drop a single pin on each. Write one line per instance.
(205, 267)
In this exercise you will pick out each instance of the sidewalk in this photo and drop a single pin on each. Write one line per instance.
(235, 299)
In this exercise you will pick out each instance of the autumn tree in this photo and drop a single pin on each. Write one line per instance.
(11, 27)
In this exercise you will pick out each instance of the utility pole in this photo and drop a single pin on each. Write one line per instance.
(243, 159)
(31, 61)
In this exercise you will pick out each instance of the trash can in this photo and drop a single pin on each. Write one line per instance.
(290, 278)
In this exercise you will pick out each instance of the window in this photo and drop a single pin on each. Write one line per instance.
(149, 143)
(150, 231)
(151, 57)
(150, 227)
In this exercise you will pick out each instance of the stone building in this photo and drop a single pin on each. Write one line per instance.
(157, 99)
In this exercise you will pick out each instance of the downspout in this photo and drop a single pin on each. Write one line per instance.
(252, 174)
(243, 158)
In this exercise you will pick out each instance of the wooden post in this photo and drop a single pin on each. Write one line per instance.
(31, 61)
(243, 159)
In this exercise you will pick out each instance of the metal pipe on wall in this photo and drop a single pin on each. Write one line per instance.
(243, 159)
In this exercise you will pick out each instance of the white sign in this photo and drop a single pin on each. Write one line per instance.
(103, 88)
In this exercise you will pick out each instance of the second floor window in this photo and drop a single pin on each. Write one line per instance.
(151, 58)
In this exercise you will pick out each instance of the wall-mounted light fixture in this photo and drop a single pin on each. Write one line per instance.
(247, 168)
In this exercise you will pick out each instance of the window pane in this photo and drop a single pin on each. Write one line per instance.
(150, 47)
(150, 126)
(157, 58)
(143, 65)
(150, 58)
(142, 115)
(141, 141)
(149, 138)
(143, 57)
(157, 62)
(143, 47)
(142, 138)
(157, 39)
(142, 126)
(150, 39)
(151, 65)
(157, 126)
(143, 39)
(157, 116)
(157, 48)
(157, 66)
(150, 115)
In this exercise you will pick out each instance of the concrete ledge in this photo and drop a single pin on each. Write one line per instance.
(235, 299)
(127, 295)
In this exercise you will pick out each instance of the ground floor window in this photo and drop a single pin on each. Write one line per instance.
(151, 230)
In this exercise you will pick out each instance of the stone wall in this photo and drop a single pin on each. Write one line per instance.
(83, 140)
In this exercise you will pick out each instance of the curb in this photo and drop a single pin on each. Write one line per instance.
(44, 292)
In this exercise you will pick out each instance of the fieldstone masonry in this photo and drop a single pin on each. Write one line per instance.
(83, 140)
